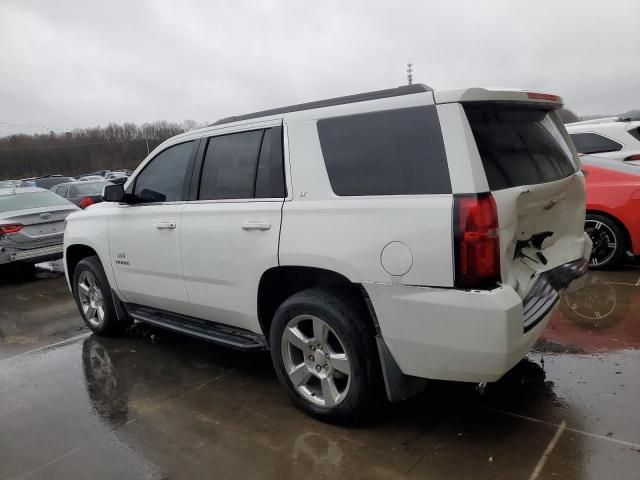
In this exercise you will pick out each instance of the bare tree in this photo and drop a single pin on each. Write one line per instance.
(568, 116)
(83, 150)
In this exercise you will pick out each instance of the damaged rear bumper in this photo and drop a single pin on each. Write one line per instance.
(470, 336)
(545, 292)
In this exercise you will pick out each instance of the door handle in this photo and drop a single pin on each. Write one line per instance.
(164, 225)
(256, 226)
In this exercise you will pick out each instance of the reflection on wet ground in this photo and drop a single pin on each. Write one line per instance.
(158, 405)
(35, 309)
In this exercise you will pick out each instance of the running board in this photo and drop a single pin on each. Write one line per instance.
(237, 338)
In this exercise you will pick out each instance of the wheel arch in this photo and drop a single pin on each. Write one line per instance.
(279, 283)
(74, 253)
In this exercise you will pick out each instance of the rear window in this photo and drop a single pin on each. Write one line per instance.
(51, 181)
(88, 188)
(593, 143)
(391, 152)
(520, 145)
(24, 201)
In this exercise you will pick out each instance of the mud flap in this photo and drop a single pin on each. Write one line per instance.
(399, 386)
(121, 313)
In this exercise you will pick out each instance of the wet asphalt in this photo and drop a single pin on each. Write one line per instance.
(156, 405)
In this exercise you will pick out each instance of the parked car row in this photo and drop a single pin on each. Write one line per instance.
(31, 224)
(32, 212)
(48, 181)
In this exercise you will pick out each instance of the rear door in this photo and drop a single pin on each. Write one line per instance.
(144, 237)
(230, 232)
(534, 176)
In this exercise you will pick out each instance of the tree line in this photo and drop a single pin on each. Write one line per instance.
(85, 150)
(78, 151)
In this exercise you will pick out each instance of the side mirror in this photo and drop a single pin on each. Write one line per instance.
(113, 193)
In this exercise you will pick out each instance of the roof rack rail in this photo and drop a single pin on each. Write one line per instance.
(330, 102)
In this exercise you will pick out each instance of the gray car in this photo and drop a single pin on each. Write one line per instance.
(31, 224)
(81, 193)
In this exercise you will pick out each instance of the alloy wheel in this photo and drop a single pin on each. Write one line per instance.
(315, 360)
(91, 299)
(604, 241)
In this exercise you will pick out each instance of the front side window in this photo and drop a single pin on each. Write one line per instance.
(593, 143)
(391, 152)
(164, 178)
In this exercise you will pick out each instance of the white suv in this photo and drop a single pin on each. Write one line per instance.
(614, 137)
(377, 239)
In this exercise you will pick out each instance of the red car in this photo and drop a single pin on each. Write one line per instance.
(613, 209)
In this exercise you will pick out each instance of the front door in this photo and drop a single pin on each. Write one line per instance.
(144, 236)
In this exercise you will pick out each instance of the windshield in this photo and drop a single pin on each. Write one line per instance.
(88, 188)
(520, 145)
(24, 201)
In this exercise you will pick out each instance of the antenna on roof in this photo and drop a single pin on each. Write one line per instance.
(409, 74)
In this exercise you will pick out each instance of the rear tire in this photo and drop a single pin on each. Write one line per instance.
(324, 353)
(609, 241)
(94, 299)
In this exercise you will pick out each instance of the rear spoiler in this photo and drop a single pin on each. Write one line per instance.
(497, 95)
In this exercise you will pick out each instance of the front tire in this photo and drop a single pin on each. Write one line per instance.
(608, 240)
(323, 350)
(94, 299)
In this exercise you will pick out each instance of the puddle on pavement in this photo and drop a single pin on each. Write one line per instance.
(603, 315)
(36, 309)
(152, 399)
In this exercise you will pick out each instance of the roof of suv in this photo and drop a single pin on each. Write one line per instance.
(330, 102)
(442, 96)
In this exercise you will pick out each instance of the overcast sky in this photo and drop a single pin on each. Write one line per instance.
(68, 64)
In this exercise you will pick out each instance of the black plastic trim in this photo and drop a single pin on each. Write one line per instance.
(330, 102)
(233, 337)
(545, 292)
(399, 386)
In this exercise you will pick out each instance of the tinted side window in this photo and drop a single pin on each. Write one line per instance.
(635, 133)
(270, 176)
(594, 143)
(230, 165)
(163, 179)
(391, 152)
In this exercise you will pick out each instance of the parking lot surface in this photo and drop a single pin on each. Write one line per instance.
(158, 405)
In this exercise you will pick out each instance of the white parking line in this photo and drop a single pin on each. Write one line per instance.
(545, 455)
(633, 445)
(45, 347)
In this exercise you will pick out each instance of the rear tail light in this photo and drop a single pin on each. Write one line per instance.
(476, 241)
(11, 228)
(85, 202)
(632, 157)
